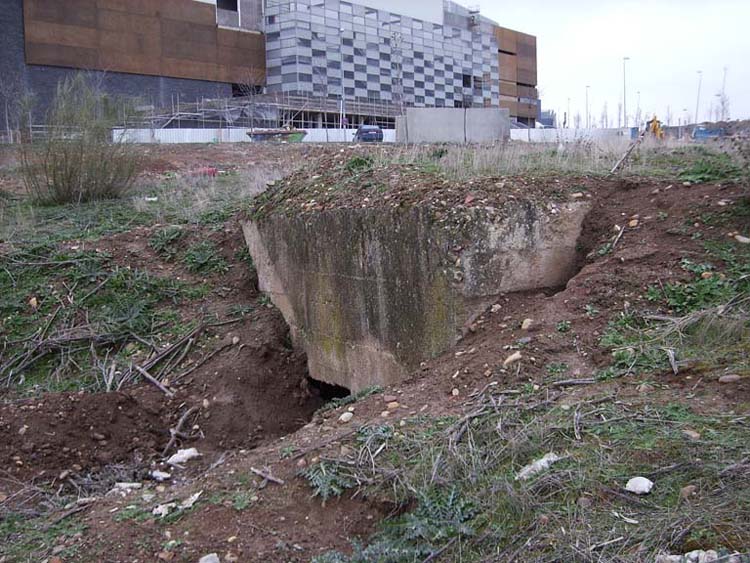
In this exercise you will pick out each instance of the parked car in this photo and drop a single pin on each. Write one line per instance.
(368, 134)
(701, 133)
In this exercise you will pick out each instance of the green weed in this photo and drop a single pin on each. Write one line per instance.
(349, 399)
(712, 167)
(204, 258)
(30, 539)
(164, 241)
(557, 369)
(327, 479)
(359, 164)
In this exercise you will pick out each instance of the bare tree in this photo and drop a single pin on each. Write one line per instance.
(577, 120)
(604, 119)
(14, 103)
(723, 109)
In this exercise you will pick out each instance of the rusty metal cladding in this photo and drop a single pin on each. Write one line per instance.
(175, 38)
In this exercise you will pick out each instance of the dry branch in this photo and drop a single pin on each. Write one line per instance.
(177, 430)
(155, 381)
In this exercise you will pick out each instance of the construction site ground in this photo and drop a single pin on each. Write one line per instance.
(599, 378)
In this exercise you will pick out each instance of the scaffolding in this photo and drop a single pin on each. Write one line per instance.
(267, 111)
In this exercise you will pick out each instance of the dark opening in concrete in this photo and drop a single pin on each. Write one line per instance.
(327, 391)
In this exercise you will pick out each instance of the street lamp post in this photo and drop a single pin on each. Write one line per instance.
(624, 92)
(698, 99)
(638, 109)
(588, 122)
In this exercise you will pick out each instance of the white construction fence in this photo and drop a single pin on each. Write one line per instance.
(235, 135)
(571, 135)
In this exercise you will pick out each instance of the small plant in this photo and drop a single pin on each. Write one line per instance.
(163, 241)
(591, 311)
(438, 153)
(563, 326)
(241, 500)
(349, 399)
(287, 452)
(557, 369)
(204, 258)
(327, 479)
(604, 249)
(243, 255)
(358, 164)
(239, 310)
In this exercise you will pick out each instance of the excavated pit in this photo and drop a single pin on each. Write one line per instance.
(369, 293)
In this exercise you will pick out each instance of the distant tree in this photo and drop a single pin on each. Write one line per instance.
(577, 120)
(604, 120)
(723, 109)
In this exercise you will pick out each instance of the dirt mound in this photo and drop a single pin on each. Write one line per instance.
(79, 432)
(354, 178)
(244, 379)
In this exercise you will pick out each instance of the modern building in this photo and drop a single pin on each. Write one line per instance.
(378, 56)
(548, 118)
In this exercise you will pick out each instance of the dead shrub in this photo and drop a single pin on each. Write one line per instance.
(77, 159)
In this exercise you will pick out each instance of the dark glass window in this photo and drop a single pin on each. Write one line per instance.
(227, 5)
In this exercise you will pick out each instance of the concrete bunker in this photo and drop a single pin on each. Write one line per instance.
(369, 293)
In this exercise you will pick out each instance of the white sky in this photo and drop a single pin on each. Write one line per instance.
(583, 42)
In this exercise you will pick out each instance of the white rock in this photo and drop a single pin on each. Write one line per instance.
(537, 466)
(527, 324)
(741, 239)
(512, 359)
(732, 378)
(163, 509)
(639, 486)
(190, 501)
(182, 456)
(210, 558)
(128, 486)
(157, 475)
(346, 417)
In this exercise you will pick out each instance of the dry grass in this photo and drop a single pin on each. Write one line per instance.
(458, 479)
(585, 157)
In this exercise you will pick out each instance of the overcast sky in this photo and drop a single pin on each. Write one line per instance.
(583, 42)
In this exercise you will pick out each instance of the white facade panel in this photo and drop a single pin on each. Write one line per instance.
(427, 10)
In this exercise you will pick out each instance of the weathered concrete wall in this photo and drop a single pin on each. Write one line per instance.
(369, 294)
(453, 125)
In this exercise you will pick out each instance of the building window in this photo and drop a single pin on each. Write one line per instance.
(230, 5)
